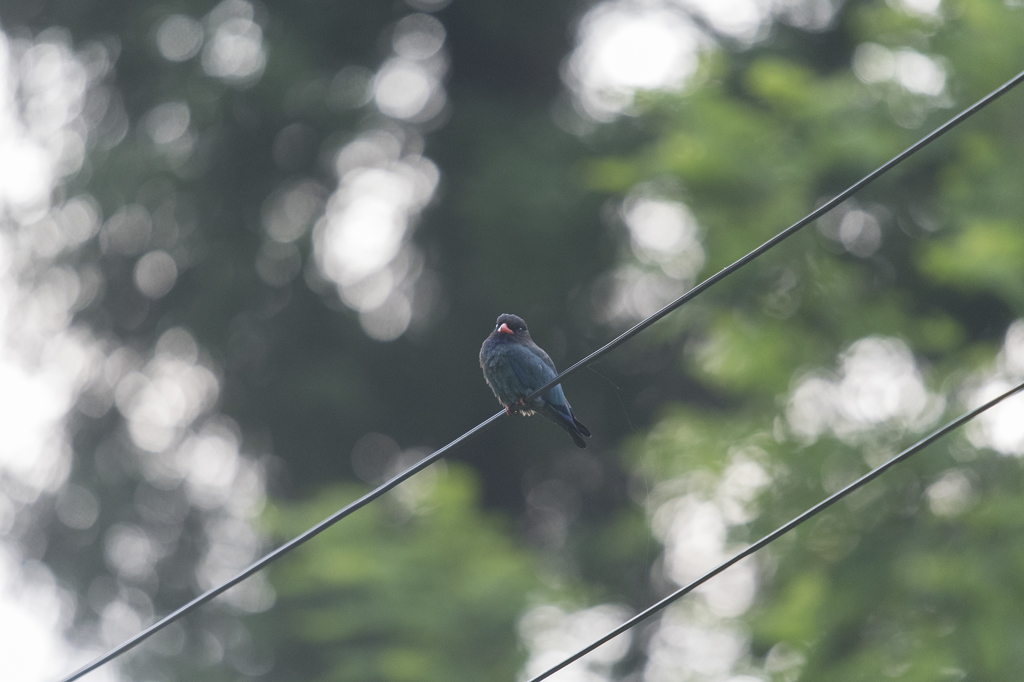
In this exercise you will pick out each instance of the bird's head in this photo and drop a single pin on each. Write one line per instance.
(513, 325)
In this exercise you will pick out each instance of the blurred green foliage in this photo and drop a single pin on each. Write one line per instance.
(887, 584)
(892, 582)
(420, 586)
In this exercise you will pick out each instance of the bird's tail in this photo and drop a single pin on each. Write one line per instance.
(580, 427)
(574, 433)
(568, 421)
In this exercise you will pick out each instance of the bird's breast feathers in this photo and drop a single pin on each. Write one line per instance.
(513, 371)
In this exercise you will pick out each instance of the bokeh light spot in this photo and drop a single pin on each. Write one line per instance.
(235, 51)
(622, 49)
(402, 88)
(179, 38)
(155, 274)
(915, 72)
(418, 37)
(860, 233)
(167, 122)
(127, 232)
(878, 383)
(77, 507)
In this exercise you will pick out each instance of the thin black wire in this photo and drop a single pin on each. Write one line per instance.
(782, 530)
(283, 549)
(631, 332)
(789, 231)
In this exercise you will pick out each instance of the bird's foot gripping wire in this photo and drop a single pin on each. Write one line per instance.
(516, 407)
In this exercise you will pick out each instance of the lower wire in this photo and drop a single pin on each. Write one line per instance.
(782, 530)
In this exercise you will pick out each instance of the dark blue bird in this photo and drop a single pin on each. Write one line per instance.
(514, 367)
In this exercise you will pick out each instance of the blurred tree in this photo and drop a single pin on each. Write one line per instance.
(420, 587)
(277, 190)
(305, 217)
(834, 351)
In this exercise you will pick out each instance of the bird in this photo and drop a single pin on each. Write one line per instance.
(514, 367)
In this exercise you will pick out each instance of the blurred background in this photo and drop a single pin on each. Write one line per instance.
(249, 251)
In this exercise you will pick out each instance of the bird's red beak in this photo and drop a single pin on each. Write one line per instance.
(504, 329)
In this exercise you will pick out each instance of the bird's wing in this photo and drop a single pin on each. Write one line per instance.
(530, 368)
(539, 352)
(533, 371)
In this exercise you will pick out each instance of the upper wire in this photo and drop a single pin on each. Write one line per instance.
(789, 231)
(782, 530)
(621, 338)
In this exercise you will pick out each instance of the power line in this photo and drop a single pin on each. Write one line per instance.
(629, 333)
(280, 551)
(789, 231)
(782, 530)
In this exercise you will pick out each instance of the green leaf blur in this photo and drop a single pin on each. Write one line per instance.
(713, 427)
(417, 587)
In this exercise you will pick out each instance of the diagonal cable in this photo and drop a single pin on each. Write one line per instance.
(621, 338)
(782, 530)
(789, 231)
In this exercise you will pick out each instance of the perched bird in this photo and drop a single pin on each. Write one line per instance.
(514, 367)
